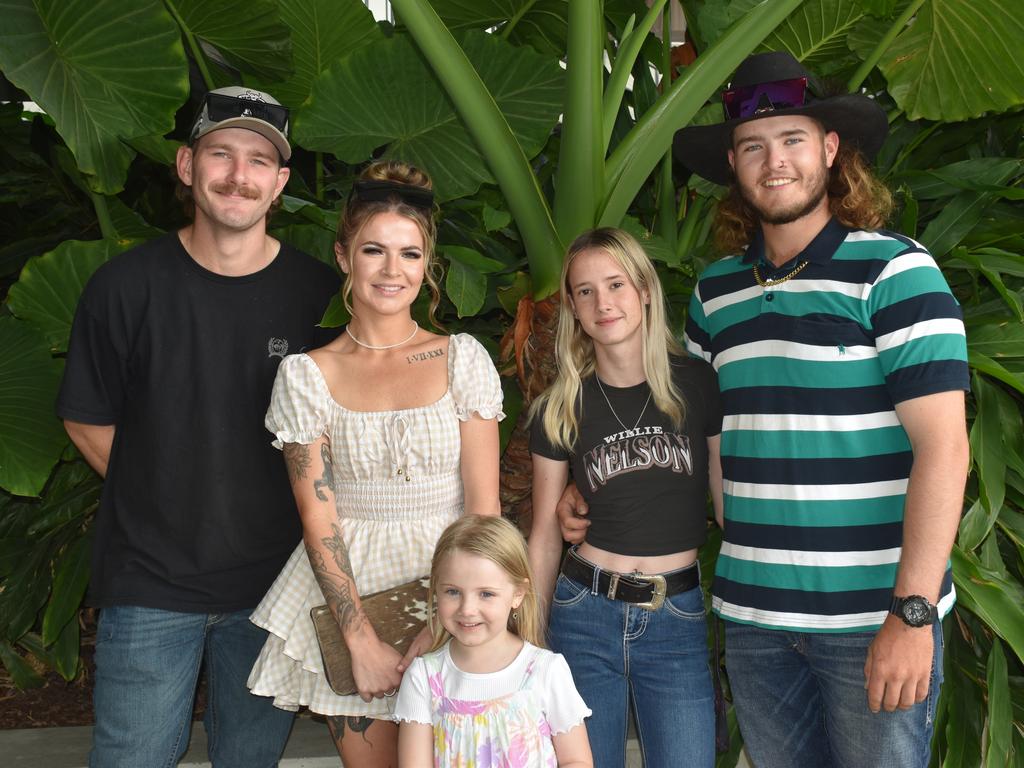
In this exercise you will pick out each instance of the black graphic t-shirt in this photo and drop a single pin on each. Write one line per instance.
(646, 486)
(196, 513)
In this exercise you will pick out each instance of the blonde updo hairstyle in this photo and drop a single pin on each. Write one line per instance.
(497, 540)
(357, 213)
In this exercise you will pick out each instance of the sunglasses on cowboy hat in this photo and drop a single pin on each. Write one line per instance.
(772, 85)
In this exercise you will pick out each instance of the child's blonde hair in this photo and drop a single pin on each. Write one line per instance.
(497, 540)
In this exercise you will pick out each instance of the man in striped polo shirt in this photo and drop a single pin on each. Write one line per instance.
(841, 357)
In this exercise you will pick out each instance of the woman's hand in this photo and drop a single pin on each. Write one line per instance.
(420, 645)
(375, 668)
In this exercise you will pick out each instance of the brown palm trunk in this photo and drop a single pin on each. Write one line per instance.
(531, 343)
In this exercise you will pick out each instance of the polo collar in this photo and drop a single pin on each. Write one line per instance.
(819, 251)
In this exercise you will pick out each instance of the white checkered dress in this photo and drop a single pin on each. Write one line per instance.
(398, 488)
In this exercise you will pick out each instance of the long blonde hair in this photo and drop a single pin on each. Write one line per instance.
(574, 350)
(497, 540)
(357, 213)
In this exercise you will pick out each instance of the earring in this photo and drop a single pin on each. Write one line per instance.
(515, 615)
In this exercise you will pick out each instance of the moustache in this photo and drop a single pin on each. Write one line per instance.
(233, 188)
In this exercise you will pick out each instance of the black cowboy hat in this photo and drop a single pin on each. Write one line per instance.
(858, 120)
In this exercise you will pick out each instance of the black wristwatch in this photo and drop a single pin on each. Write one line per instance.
(915, 610)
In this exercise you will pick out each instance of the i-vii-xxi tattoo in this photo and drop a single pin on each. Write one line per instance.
(421, 356)
(337, 586)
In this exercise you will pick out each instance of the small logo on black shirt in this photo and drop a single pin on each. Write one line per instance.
(277, 347)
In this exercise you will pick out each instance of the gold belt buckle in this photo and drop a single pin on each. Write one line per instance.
(660, 589)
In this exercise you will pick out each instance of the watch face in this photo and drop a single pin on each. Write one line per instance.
(916, 612)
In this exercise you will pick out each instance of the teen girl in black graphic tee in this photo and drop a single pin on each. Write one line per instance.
(640, 427)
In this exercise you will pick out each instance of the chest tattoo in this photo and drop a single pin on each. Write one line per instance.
(421, 356)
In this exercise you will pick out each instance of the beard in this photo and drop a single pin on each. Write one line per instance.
(817, 185)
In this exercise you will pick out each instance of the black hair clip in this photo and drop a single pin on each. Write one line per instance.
(369, 191)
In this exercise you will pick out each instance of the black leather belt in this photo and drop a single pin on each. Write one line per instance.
(642, 590)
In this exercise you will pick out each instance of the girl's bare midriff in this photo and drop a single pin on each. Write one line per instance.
(610, 561)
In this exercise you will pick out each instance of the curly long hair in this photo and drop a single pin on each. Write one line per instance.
(357, 213)
(856, 197)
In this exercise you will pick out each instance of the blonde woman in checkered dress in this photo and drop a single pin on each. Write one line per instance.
(389, 433)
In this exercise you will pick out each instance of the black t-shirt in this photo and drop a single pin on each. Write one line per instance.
(646, 487)
(196, 512)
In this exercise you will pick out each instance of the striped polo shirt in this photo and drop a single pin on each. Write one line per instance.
(814, 460)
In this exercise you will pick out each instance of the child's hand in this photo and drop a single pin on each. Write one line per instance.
(420, 644)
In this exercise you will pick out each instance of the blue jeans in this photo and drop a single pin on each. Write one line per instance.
(657, 661)
(800, 701)
(147, 666)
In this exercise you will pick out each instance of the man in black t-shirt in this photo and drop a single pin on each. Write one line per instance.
(172, 357)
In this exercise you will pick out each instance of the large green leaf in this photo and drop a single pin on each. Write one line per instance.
(999, 733)
(47, 292)
(385, 94)
(964, 211)
(466, 287)
(104, 70)
(21, 671)
(959, 59)
(322, 31)
(816, 34)
(71, 493)
(32, 439)
(997, 601)
(249, 33)
(987, 451)
(66, 649)
(69, 583)
(997, 341)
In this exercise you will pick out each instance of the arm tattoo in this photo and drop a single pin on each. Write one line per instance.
(337, 585)
(296, 458)
(327, 479)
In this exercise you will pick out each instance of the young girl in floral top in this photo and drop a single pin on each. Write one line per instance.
(487, 694)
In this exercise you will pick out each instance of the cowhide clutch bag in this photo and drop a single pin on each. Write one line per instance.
(397, 615)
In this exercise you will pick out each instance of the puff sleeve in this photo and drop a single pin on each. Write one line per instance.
(475, 385)
(298, 403)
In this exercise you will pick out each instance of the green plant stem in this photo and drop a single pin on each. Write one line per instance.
(490, 130)
(688, 231)
(319, 160)
(580, 181)
(515, 19)
(99, 204)
(883, 45)
(629, 48)
(193, 44)
(639, 152)
(667, 192)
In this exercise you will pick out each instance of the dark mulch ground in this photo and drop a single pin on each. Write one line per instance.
(59, 702)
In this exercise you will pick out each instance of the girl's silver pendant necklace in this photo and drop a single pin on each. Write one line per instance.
(609, 402)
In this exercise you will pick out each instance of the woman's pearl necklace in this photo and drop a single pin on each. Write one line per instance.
(415, 329)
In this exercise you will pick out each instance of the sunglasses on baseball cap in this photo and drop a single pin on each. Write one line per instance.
(221, 107)
(762, 98)
(240, 107)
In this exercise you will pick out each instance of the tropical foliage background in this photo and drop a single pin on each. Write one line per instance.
(537, 119)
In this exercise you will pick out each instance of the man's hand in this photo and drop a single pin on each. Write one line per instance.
(570, 510)
(898, 668)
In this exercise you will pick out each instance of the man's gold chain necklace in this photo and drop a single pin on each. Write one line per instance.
(764, 283)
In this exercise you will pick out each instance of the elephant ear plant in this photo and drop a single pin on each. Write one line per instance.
(538, 119)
